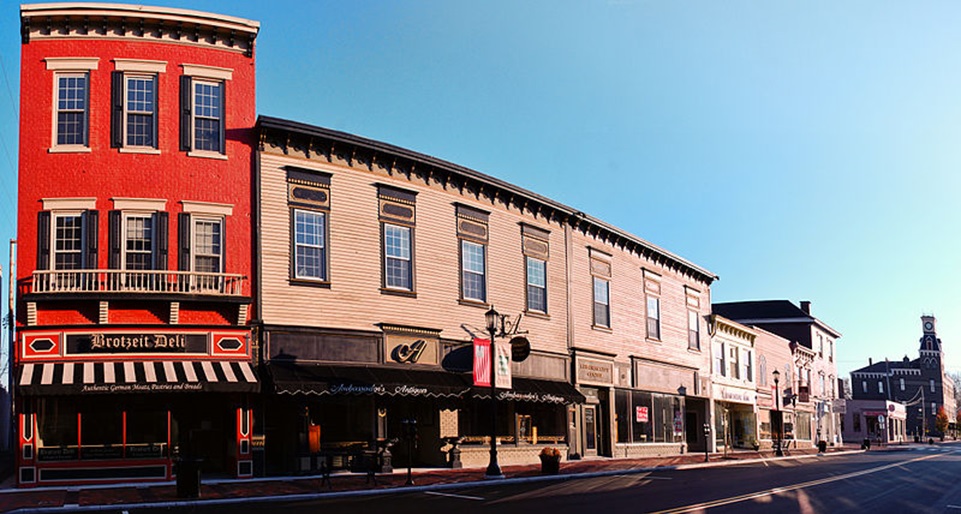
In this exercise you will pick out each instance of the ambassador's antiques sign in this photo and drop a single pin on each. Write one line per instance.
(411, 347)
(135, 343)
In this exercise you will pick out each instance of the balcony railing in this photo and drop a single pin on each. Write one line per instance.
(135, 281)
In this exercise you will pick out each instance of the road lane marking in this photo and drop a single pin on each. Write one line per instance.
(953, 506)
(450, 495)
(785, 489)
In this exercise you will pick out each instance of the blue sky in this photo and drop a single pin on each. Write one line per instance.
(800, 150)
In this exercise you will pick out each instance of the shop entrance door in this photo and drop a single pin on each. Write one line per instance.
(590, 430)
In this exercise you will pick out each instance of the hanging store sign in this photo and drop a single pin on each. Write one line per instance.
(114, 343)
(410, 348)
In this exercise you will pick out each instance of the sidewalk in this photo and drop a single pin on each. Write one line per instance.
(357, 483)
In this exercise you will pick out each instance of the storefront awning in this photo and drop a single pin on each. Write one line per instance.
(535, 390)
(319, 379)
(67, 378)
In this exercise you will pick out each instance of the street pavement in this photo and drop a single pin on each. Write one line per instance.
(446, 484)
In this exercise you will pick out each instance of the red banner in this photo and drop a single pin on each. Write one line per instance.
(482, 362)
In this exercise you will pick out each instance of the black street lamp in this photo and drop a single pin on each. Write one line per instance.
(777, 407)
(493, 320)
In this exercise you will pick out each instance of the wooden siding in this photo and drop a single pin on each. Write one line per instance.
(354, 300)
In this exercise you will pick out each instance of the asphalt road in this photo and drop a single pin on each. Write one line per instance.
(921, 479)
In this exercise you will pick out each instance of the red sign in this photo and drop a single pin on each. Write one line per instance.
(482, 362)
(641, 414)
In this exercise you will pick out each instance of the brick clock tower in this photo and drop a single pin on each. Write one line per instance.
(938, 390)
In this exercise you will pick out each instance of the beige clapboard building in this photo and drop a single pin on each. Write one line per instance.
(375, 267)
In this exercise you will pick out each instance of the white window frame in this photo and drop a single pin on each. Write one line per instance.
(864, 386)
(605, 301)
(196, 220)
(902, 383)
(653, 315)
(720, 359)
(881, 386)
(151, 78)
(55, 143)
(54, 216)
(734, 362)
(464, 244)
(322, 247)
(693, 330)
(149, 216)
(528, 260)
(198, 81)
(409, 258)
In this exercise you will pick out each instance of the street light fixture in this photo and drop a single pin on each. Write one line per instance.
(495, 321)
(777, 407)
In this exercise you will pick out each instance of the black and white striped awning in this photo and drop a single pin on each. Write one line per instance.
(51, 378)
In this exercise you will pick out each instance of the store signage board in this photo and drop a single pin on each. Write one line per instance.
(641, 414)
(134, 343)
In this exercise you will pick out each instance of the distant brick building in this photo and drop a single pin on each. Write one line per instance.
(922, 384)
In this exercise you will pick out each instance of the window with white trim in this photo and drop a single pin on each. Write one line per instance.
(653, 317)
(602, 302)
(71, 111)
(138, 241)
(398, 269)
(932, 385)
(880, 386)
(208, 116)
(140, 111)
(719, 367)
(67, 241)
(473, 269)
(310, 248)
(207, 244)
(901, 383)
(536, 285)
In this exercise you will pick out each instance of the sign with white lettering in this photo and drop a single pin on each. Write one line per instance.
(110, 342)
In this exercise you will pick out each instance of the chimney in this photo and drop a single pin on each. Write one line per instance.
(870, 361)
(806, 307)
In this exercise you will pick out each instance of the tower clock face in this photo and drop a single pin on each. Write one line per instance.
(928, 325)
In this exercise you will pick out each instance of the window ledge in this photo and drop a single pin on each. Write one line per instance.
(207, 155)
(310, 283)
(473, 303)
(398, 292)
(69, 149)
(602, 328)
(650, 339)
(143, 150)
(537, 314)
(693, 350)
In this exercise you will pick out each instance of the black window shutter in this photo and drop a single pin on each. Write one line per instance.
(223, 118)
(116, 109)
(160, 231)
(91, 233)
(156, 111)
(115, 239)
(183, 238)
(185, 109)
(43, 240)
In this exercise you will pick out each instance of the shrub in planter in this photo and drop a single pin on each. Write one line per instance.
(550, 461)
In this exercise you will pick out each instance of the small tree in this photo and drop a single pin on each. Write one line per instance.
(941, 421)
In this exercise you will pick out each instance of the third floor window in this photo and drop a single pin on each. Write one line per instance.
(71, 111)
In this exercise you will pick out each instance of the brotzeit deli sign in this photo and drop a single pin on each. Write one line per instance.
(112, 342)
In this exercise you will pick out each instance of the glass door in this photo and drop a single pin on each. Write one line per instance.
(590, 429)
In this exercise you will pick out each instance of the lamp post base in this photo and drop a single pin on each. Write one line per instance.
(493, 470)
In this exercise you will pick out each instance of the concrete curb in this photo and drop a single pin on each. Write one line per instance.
(414, 489)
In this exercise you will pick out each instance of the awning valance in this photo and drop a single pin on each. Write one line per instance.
(320, 379)
(535, 390)
(64, 378)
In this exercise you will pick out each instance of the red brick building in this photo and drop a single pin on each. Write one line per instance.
(134, 259)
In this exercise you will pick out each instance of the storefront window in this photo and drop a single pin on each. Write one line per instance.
(56, 424)
(101, 431)
(146, 434)
(803, 425)
(764, 418)
(643, 417)
(622, 414)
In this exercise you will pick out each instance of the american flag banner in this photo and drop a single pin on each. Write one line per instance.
(482, 362)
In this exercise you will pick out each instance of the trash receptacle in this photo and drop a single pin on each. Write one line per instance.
(188, 477)
(866, 445)
(822, 446)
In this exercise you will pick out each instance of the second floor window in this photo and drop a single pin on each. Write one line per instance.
(880, 386)
(602, 303)
(932, 385)
(719, 367)
(653, 317)
(901, 383)
(139, 242)
(473, 274)
(208, 245)
(398, 272)
(536, 285)
(68, 242)
(693, 330)
(72, 102)
(310, 235)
